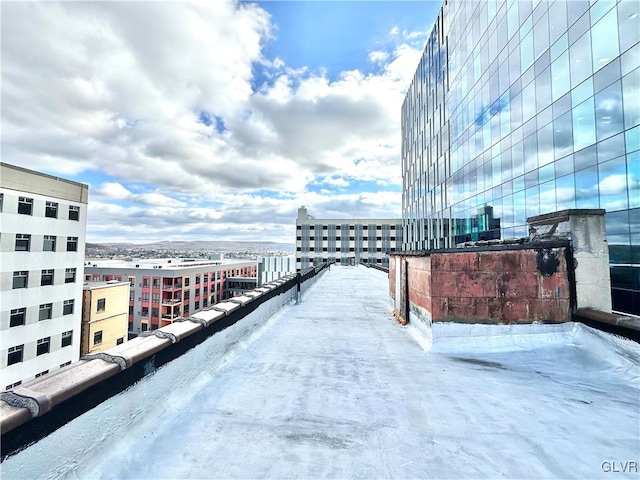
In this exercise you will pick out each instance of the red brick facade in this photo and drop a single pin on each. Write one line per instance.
(502, 286)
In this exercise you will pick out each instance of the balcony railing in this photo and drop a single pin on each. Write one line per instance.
(171, 301)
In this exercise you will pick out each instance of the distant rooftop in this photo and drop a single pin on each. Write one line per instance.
(165, 263)
(335, 388)
(96, 285)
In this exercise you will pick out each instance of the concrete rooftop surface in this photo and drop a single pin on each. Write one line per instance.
(334, 388)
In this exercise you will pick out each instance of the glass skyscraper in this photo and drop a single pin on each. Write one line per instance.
(520, 108)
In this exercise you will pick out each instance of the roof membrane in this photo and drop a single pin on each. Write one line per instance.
(334, 387)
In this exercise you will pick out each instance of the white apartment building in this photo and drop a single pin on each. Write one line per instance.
(164, 290)
(272, 268)
(347, 241)
(42, 242)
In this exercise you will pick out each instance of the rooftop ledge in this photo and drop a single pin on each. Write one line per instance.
(334, 387)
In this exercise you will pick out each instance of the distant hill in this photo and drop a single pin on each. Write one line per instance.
(195, 246)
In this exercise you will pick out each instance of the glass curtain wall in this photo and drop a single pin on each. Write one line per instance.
(523, 108)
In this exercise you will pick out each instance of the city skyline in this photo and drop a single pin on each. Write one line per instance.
(196, 121)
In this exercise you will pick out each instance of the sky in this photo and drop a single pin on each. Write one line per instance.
(212, 120)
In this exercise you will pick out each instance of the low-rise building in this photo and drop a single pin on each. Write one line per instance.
(105, 308)
(164, 290)
(345, 241)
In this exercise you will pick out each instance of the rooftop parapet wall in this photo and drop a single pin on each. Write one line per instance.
(24, 180)
(36, 408)
(520, 284)
(562, 266)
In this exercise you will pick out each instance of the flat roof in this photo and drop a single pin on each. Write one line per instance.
(333, 387)
(89, 285)
(164, 263)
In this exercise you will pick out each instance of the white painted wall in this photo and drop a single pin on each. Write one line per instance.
(34, 261)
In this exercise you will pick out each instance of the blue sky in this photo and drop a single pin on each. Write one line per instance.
(338, 36)
(212, 120)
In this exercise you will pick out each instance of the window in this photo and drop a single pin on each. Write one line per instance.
(67, 338)
(51, 210)
(25, 205)
(155, 312)
(62, 365)
(132, 281)
(49, 243)
(130, 310)
(45, 312)
(42, 346)
(23, 242)
(186, 281)
(15, 354)
(1, 203)
(197, 279)
(97, 338)
(144, 326)
(9, 387)
(20, 279)
(18, 316)
(67, 307)
(156, 283)
(74, 212)
(72, 244)
(42, 373)
(196, 305)
(145, 311)
(145, 297)
(120, 341)
(102, 304)
(205, 277)
(155, 298)
(46, 277)
(69, 275)
(145, 283)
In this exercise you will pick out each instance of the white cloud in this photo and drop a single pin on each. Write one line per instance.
(378, 56)
(116, 191)
(117, 89)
